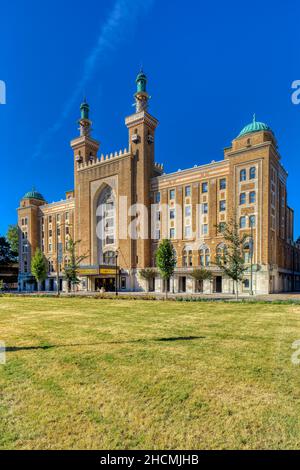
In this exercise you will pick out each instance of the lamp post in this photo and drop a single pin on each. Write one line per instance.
(116, 279)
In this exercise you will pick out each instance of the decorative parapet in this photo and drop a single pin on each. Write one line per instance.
(104, 159)
(159, 167)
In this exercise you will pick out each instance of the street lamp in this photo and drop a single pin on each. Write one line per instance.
(116, 281)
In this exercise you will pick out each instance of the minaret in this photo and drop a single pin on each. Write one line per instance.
(141, 95)
(85, 147)
(141, 126)
(85, 123)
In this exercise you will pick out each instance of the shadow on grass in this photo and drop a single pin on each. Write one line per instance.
(53, 346)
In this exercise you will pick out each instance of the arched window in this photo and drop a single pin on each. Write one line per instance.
(204, 256)
(221, 253)
(243, 222)
(109, 258)
(252, 173)
(106, 222)
(187, 259)
(252, 197)
(243, 175)
(242, 198)
(252, 220)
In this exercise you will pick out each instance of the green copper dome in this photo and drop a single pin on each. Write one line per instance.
(255, 126)
(34, 195)
(141, 81)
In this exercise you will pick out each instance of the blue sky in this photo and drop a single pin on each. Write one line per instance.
(210, 66)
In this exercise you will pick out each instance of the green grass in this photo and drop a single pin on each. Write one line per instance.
(102, 374)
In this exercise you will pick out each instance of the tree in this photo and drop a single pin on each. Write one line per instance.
(71, 269)
(201, 274)
(232, 261)
(39, 266)
(12, 237)
(147, 274)
(166, 261)
(6, 255)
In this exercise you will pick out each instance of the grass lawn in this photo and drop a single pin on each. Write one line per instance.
(102, 374)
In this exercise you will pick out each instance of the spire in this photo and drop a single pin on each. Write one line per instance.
(85, 123)
(254, 118)
(141, 95)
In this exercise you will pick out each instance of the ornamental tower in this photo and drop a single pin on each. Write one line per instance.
(141, 126)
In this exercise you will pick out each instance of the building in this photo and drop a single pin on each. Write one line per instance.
(123, 204)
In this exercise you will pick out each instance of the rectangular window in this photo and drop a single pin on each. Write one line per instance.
(187, 191)
(187, 232)
(204, 229)
(172, 194)
(172, 233)
(157, 198)
(58, 218)
(204, 187)
(50, 219)
(50, 233)
(67, 230)
(188, 211)
(157, 234)
(50, 247)
(123, 283)
(67, 215)
(205, 208)
(172, 214)
(223, 184)
(222, 206)
(158, 216)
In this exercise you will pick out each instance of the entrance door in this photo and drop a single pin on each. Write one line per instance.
(218, 284)
(182, 284)
(199, 286)
(107, 283)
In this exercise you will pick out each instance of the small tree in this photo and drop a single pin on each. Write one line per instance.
(12, 237)
(71, 270)
(232, 262)
(201, 274)
(39, 266)
(147, 274)
(166, 261)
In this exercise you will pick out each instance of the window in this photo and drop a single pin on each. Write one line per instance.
(188, 211)
(50, 247)
(243, 175)
(187, 232)
(58, 232)
(172, 233)
(172, 194)
(252, 220)
(242, 198)
(223, 184)
(25, 267)
(187, 259)
(58, 218)
(187, 191)
(252, 197)
(158, 216)
(123, 283)
(157, 234)
(204, 256)
(205, 208)
(50, 233)
(50, 219)
(172, 214)
(67, 230)
(243, 222)
(221, 253)
(24, 235)
(221, 227)
(67, 216)
(204, 229)
(157, 198)
(252, 173)
(247, 253)
(222, 206)
(109, 258)
(204, 187)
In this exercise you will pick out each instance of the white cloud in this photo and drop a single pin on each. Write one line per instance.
(122, 18)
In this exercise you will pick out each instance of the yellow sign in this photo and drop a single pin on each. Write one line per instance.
(107, 271)
(88, 272)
